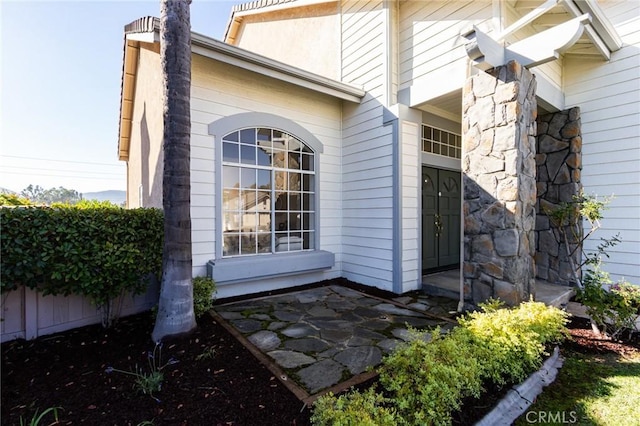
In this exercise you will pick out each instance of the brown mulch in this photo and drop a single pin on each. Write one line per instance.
(586, 341)
(68, 370)
(230, 387)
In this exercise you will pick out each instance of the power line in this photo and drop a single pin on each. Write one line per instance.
(60, 170)
(64, 176)
(63, 161)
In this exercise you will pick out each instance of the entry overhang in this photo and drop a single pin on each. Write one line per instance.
(486, 53)
(488, 50)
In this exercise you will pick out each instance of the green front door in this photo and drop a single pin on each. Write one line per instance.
(440, 219)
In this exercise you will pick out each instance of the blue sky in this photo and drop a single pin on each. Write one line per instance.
(61, 64)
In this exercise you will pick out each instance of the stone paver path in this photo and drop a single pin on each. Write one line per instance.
(323, 336)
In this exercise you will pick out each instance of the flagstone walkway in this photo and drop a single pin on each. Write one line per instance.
(326, 338)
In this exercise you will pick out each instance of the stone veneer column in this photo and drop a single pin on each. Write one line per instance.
(559, 161)
(499, 174)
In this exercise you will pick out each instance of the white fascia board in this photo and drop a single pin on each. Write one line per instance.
(549, 95)
(601, 23)
(151, 37)
(281, 6)
(598, 20)
(232, 55)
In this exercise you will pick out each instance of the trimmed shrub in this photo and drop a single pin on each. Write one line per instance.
(428, 380)
(203, 291)
(424, 381)
(515, 339)
(99, 253)
(368, 408)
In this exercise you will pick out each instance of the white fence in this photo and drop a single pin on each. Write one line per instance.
(27, 314)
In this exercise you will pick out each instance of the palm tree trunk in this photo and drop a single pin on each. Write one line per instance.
(175, 309)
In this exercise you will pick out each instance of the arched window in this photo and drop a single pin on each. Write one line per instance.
(268, 193)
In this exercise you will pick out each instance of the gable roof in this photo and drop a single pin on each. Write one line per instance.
(260, 6)
(147, 30)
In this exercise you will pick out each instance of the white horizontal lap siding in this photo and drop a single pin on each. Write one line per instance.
(220, 90)
(608, 94)
(368, 205)
(410, 161)
(367, 193)
(430, 35)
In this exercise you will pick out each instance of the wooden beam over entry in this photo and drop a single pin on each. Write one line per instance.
(527, 19)
(487, 53)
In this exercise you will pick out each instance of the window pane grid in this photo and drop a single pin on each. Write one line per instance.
(268, 193)
(441, 142)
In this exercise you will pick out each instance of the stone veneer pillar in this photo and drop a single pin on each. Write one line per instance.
(559, 161)
(499, 174)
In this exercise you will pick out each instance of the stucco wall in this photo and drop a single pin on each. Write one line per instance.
(305, 37)
(144, 167)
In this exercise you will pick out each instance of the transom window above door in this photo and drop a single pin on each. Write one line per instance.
(268, 200)
(441, 142)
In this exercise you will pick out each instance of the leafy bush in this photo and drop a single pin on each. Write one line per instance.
(423, 382)
(428, 380)
(99, 253)
(515, 339)
(203, 290)
(14, 200)
(89, 204)
(612, 310)
(368, 408)
(568, 219)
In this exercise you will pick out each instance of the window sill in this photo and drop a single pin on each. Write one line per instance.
(242, 269)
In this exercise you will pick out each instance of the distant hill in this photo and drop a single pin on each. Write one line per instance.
(116, 197)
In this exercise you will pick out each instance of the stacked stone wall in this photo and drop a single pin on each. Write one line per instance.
(499, 173)
(559, 165)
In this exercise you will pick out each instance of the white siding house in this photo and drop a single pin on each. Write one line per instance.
(379, 93)
(608, 94)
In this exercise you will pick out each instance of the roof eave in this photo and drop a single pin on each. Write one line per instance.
(127, 91)
(147, 30)
(241, 58)
(600, 23)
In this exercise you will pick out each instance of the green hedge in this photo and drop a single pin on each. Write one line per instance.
(424, 381)
(91, 250)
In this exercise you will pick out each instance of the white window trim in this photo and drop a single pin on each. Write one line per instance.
(245, 268)
(273, 171)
